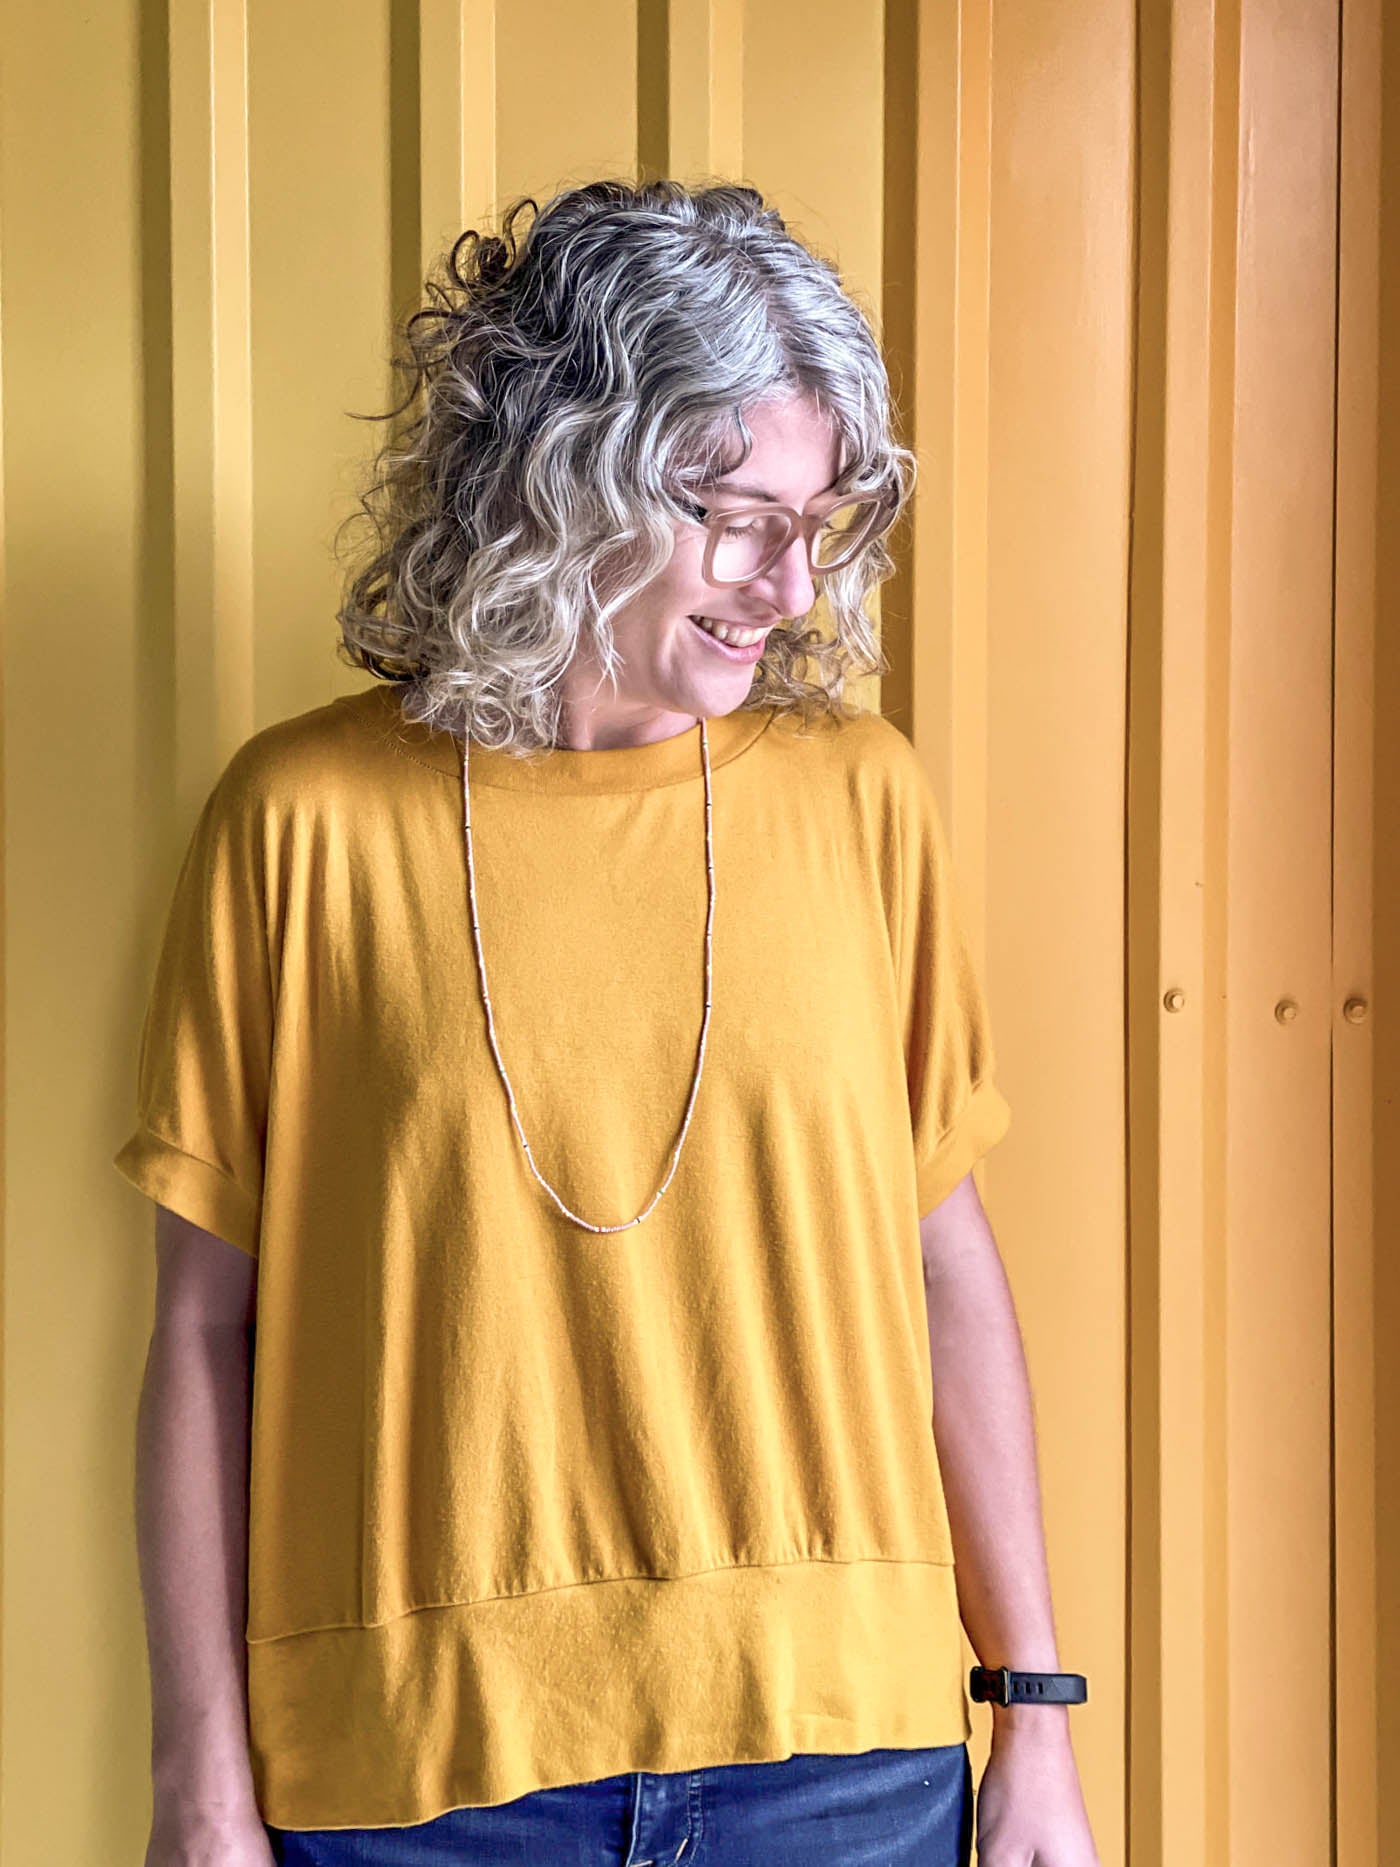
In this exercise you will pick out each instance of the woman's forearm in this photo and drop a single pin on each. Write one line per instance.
(192, 1549)
(985, 1435)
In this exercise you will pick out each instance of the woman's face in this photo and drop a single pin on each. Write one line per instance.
(672, 673)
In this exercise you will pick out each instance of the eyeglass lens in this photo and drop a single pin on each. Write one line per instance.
(749, 545)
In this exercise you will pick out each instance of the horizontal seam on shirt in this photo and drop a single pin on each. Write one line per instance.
(596, 1581)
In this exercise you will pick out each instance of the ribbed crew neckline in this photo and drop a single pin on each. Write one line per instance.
(564, 769)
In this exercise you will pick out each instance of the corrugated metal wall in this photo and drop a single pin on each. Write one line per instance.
(1127, 265)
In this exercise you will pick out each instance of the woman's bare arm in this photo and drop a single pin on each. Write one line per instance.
(985, 1434)
(1030, 1805)
(191, 1498)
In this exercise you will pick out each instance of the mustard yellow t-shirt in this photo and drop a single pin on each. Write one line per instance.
(529, 1504)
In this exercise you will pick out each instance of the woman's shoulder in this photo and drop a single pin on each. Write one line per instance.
(862, 746)
(304, 760)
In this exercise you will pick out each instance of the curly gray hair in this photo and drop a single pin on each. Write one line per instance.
(568, 389)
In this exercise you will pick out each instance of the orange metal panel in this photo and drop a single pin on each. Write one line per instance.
(1274, 1223)
(1355, 1234)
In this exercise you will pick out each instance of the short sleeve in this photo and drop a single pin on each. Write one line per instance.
(202, 1076)
(957, 1111)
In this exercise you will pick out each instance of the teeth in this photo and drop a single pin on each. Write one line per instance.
(729, 632)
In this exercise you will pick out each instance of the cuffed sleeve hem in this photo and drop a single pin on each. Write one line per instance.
(203, 1194)
(985, 1118)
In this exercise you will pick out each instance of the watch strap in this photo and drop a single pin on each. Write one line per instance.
(997, 1685)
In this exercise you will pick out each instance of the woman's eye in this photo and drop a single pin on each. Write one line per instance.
(702, 514)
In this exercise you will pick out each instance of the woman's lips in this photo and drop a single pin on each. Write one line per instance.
(732, 650)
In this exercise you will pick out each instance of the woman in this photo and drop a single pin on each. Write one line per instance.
(574, 1032)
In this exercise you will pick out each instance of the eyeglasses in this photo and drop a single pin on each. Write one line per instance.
(745, 541)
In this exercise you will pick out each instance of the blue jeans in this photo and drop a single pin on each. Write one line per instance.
(872, 1808)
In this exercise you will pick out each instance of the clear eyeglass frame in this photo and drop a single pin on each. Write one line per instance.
(880, 512)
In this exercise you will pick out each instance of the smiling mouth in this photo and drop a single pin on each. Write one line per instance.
(731, 633)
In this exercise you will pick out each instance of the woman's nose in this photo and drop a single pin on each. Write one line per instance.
(790, 579)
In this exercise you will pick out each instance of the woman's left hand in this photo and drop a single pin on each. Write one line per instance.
(1030, 1808)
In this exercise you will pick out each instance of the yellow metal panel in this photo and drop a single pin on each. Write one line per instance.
(566, 94)
(211, 480)
(1036, 717)
(821, 167)
(321, 300)
(1176, 1749)
(85, 604)
(705, 89)
(457, 147)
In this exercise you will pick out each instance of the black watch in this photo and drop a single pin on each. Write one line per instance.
(997, 1686)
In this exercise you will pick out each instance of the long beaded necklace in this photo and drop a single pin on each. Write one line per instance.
(491, 1023)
